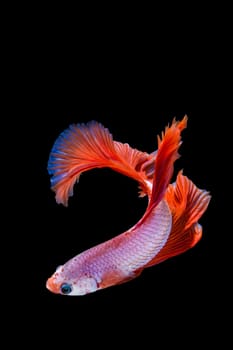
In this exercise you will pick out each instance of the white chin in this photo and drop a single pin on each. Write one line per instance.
(84, 286)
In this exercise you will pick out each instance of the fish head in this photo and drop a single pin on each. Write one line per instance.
(60, 283)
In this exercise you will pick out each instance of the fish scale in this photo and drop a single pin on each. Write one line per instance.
(146, 241)
(131, 250)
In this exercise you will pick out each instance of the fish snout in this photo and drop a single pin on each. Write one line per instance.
(52, 286)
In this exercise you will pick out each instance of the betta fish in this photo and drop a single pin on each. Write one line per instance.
(168, 227)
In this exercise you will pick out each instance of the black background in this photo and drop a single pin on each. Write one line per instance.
(106, 203)
(134, 88)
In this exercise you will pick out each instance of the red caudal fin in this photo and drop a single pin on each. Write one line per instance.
(187, 204)
(164, 163)
(86, 146)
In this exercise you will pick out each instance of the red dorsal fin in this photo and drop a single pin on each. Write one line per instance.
(86, 146)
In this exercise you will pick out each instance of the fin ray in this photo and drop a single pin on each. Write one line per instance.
(187, 204)
(165, 158)
(86, 146)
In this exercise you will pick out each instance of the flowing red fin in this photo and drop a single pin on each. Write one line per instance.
(164, 163)
(187, 204)
(84, 147)
(186, 201)
(178, 244)
(130, 155)
(115, 277)
(130, 162)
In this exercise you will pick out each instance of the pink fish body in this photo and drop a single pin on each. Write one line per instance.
(168, 227)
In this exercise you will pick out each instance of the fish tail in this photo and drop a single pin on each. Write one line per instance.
(187, 204)
(86, 146)
(167, 154)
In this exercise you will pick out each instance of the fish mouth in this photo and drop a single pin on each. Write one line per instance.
(52, 286)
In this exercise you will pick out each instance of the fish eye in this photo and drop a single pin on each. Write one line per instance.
(66, 288)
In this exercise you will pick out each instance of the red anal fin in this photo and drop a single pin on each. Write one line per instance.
(178, 244)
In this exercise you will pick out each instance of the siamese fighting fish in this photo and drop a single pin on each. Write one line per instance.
(168, 227)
